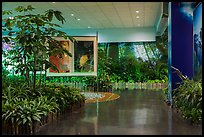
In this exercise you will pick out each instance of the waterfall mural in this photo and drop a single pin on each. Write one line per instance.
(197, 34)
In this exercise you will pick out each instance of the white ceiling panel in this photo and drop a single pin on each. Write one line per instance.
(98, 14)
(88, 4)
(119, 5)
(104, 3)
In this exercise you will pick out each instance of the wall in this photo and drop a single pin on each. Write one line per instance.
(141, 34)
(117, 35)
(169, 56)
(180, 41)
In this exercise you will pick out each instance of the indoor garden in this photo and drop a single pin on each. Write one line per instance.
(30, 99)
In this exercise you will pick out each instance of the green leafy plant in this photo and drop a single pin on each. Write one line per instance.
(27, 112)
(34, 42)
(187, 97)
(25, 108)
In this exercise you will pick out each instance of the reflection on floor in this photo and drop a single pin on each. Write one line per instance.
(92, 97)
(136, 112)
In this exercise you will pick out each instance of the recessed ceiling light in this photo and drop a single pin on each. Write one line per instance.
(89, 27)
(78, 19)
(138, 17)
(11, 18)
(72, 14)
(137, 11)
(53, 2)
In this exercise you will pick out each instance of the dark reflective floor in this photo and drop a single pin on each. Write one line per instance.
(134, 113)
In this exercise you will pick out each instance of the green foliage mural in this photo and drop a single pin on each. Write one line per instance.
(138, 62)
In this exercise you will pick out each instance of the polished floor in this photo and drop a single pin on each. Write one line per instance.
(136, 112)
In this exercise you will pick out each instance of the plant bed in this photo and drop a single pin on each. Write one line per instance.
(178, 113)
(76, 106)
(26, 115)
(188, 100)
(13, 129)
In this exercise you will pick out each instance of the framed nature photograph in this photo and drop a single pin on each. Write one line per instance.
(83, 61)
(63, 64)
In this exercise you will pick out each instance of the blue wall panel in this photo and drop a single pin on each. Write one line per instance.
(181, 40)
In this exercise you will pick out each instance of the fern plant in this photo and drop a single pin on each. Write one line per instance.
(188, 99)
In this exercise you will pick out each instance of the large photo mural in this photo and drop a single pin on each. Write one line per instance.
(197, 34)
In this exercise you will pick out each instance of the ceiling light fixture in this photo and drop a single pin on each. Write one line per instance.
(137, 11)
(138, 17)
(78, 19)
(89, 27)
(53, 2)
(72, 14)
(11, 18)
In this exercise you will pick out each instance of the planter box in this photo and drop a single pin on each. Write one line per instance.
(12, 129)
(49, 118)
(138, 85)
(127, 85)
(157, 85)
(116, 86)
(130, 86)
(121, 85)
(154, 85)
(149, 85)
(164, 85)
(144, 85)
(113, 86)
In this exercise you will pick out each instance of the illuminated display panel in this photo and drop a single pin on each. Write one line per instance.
(83, 61)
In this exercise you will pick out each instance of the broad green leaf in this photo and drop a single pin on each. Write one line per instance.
(59, 16)
(50, 16)
(29, 7)
(6, 12)
(19, 8)
(24, 120)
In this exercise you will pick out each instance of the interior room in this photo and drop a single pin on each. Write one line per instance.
(101, 68)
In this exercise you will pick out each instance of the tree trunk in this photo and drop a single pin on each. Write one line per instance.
(34, 71)
(26, 71)
(113, 51)
(41, 69)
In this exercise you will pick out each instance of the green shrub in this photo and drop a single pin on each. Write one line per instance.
(188, 99)
(21, 105)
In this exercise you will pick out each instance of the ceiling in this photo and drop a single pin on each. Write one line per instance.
(99, 15)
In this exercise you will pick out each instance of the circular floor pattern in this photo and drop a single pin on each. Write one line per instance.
(92, 97)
